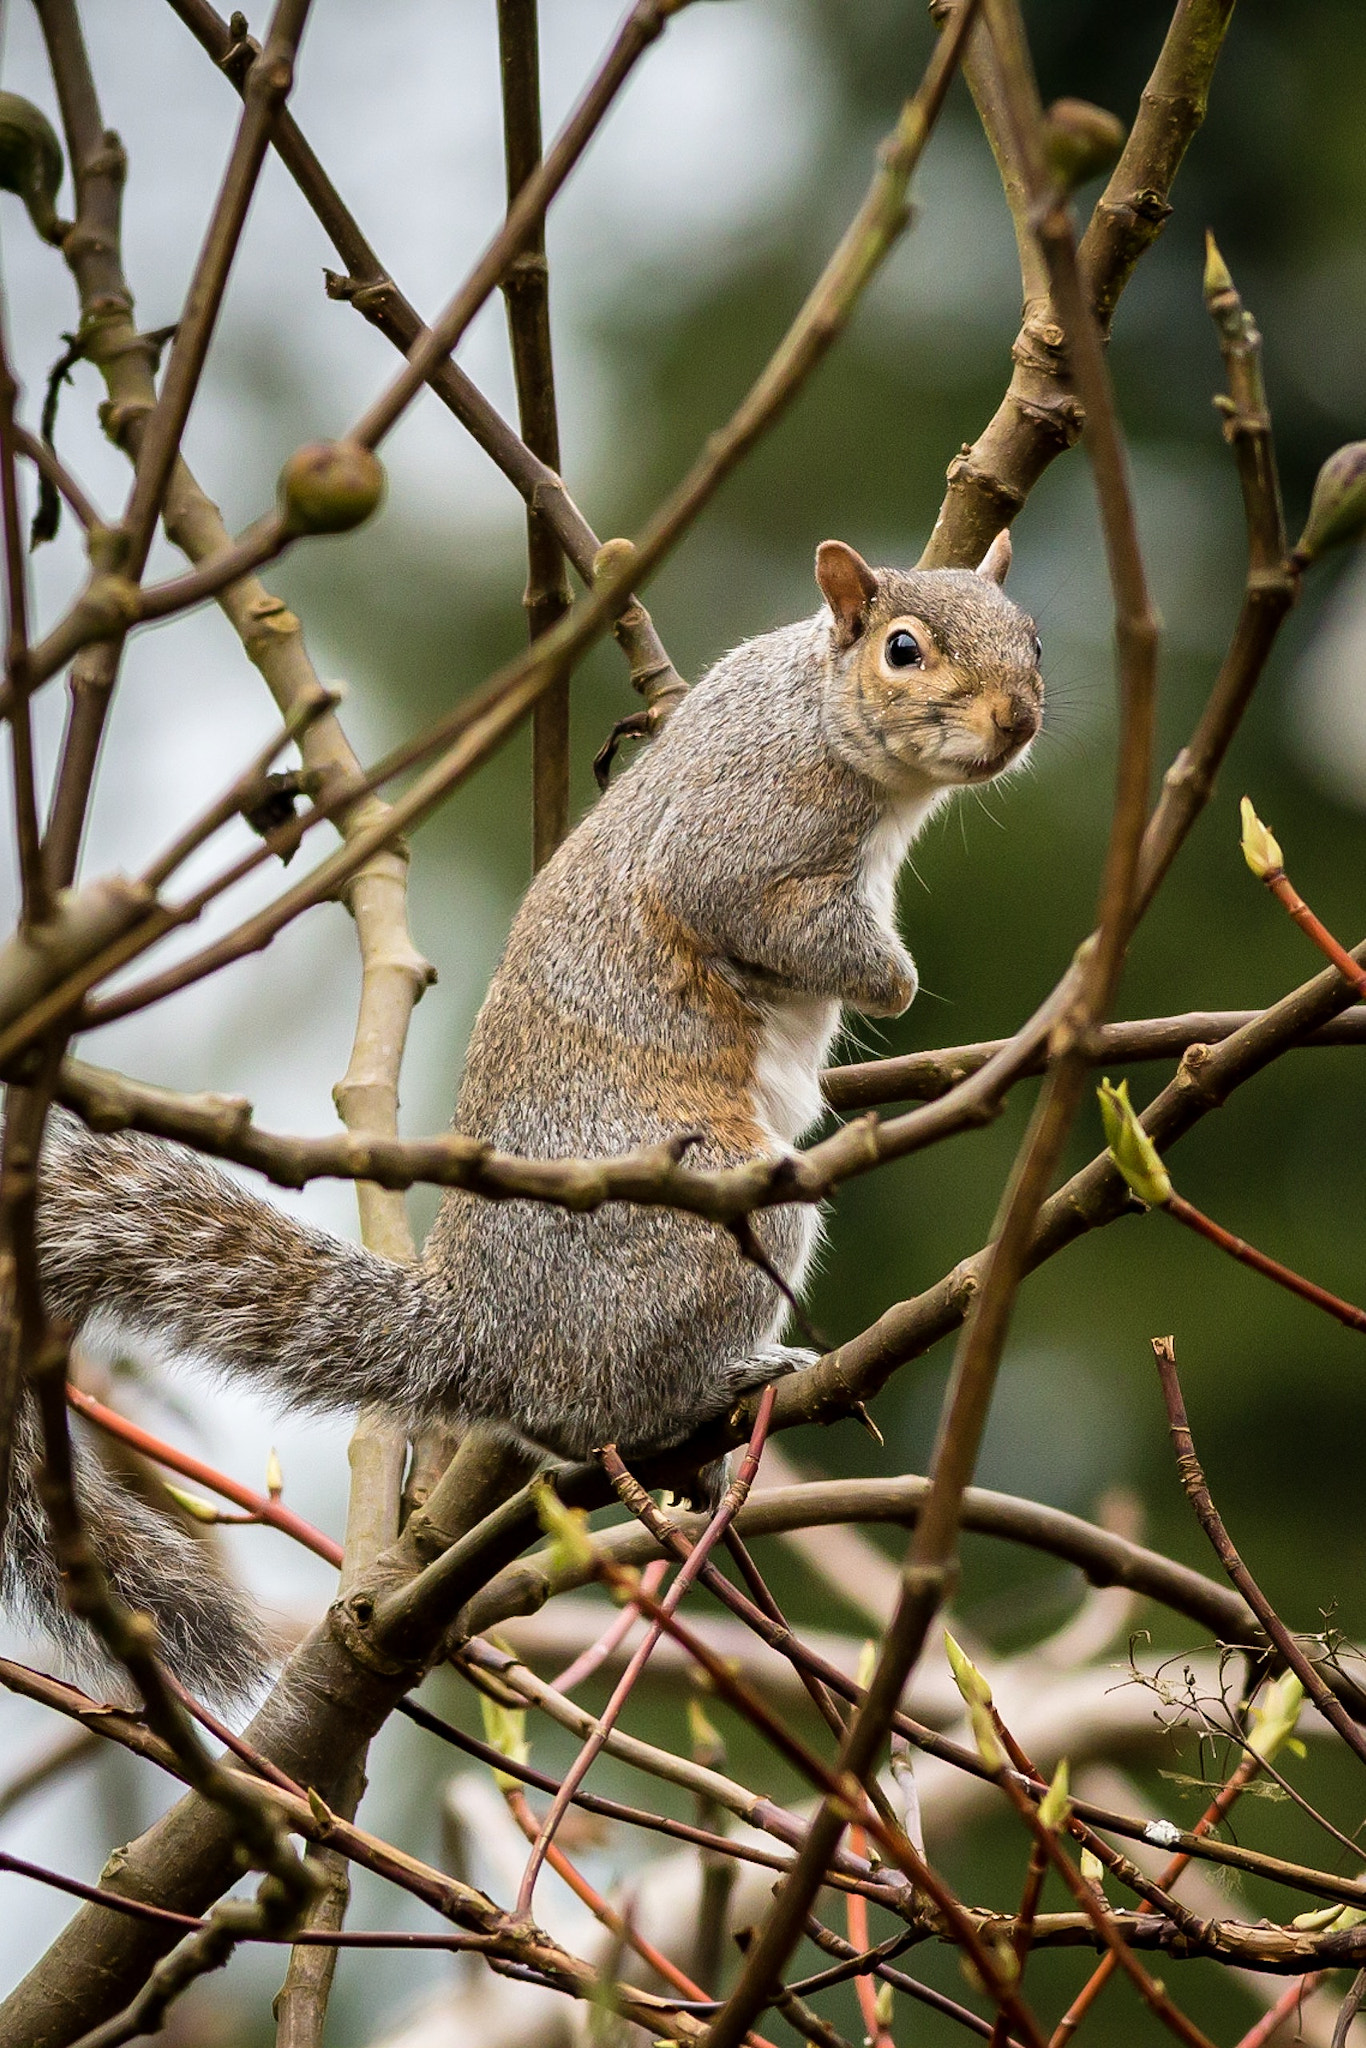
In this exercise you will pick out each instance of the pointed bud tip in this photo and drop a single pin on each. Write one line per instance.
(966, 1676)
(1131, 1149)
(1261, 849)
(1055, 1804)
(1217, 278)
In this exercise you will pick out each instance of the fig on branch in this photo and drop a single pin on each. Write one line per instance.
(329, 487)
(31, 162)
(1080, 141)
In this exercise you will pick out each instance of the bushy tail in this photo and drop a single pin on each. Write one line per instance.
(210, 1635)
(153, 1238)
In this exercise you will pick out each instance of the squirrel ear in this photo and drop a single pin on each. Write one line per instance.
(996, 561)
(848, 585)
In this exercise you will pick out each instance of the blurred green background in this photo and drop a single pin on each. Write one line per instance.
(422, 608)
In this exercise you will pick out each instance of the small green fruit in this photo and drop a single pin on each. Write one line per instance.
(329, 487)
(1080, 141)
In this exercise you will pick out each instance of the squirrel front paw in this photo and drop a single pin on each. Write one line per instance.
(890, 990)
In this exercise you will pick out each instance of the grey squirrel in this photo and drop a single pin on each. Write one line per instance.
(680, 964)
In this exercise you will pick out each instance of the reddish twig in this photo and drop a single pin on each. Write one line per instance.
(856, 1920)
(616, 1923)
(1227, 1796)
(1248, 1255)
(259, 1505)
(613, 1636)
(1271, 2021)
(733, 1500)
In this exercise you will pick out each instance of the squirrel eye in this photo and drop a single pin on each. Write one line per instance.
(1038, 651)
(903, 650)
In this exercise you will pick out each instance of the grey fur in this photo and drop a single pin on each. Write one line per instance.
(678, 965)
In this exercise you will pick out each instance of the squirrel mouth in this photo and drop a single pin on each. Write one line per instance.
(987, 766)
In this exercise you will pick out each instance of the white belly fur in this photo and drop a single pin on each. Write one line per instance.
(887, 847)
(792, 1050)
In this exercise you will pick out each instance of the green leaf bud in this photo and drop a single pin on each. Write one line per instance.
(193, 1503)
(1055, 1805)
(1337, 509)
(1217, 279)
(31, 162)
(329, 487)
(1131, 1149)
(571, 1549)
(1261, 849)
(505, 1731)
(966, 1676)
(1275, 1716)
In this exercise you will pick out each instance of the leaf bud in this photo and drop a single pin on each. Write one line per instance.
(1261, 849)
(505, 1731)
(275, 1474)
(1055, 1805)
(1080, 141)
(1092, 1869)
(1337, 509)
(31, 162)
(194, 1504)
(1218, 279)
(329, 487)
(1275, 1717)
(966, 1676)
(571, 1550)
(1131, 1149)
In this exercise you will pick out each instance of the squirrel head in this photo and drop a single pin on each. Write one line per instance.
(933, 674)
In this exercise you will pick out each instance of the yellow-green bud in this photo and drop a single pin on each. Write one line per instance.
(1261, 850)
(1217, 279)
(505, 1731)
(1080, 141)
(31, 162)
(329, 487)
(1131, 1149)
(193, 1504)
(703, 1733)
(966, 1676)
(1276, 1716)
(568, 1527)
(1092, 1869)
(1055, 1805)
(1337, 509)
(275, 1474)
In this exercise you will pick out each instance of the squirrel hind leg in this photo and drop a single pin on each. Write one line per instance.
(743, 1376)
(210, 1636)
(765, 1362)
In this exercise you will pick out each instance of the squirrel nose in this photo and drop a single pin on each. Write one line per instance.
(1015, 719)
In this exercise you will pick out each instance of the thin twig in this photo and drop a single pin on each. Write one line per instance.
(1197, 1492)
(526, 289)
